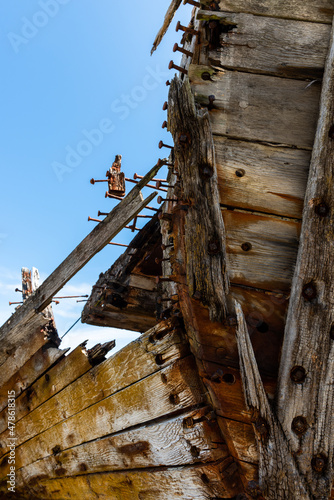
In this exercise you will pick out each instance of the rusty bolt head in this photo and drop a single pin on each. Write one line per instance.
(318, 463)
(164, 125)
(298, 374)
(309, 291)
(184, 139)
(299, 425)
(165, 106)
(92, 181)
(261, 426)
(206, 75)
(246, 247)
(322, 209)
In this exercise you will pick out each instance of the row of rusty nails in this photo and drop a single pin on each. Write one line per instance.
(63, 297)
(133, 228)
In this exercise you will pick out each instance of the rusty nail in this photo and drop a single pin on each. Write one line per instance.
(186, 29)
(299, 425)
(108, 195)
(161, 279)
(165, 106)
(147, 185)
(18, 290)
(322, 209)
(171, 65)
(298, 374)
(167, 83)
(164, 247)
(182, 50)
(102, 213)
(162, 145)
(94, 220)
(158, 261)
(164, 125)
(318, 463)
(71, 297)
(246, 247)
(137, 176)
(12, 303)
(92, 181)
(309, 291)
(117, 244)
(160, 200)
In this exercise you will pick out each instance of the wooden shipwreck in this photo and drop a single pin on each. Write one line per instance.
(228, 393)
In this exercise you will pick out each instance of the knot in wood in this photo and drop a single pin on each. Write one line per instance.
(319, 463)
(298, 374)
(299, 425)
(309, 291)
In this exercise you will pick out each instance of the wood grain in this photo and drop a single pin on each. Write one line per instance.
(308, 339)
(273, 180)
(270, 261)
(307, 10)
(169, 443)
(258, 107)
(173, 389)
(14, 330)
(280, 47)
(197, 482)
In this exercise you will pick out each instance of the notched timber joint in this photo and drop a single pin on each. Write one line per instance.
(97, 354)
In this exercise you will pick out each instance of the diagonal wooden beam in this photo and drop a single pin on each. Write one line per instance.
(305, 395)
(14, 331)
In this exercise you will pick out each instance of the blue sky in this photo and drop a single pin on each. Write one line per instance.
(78, 86)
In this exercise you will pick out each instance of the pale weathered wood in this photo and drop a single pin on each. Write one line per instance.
(244, 441)
(205, 257)
(262, 178)
(174, 388)
(258, 107)
(278, 472)
(169, 443)
(309, 338)
(40, 362)
(13, 331)
(59, 376)
(281, 47)
(269, 263)
(69, 389)
(38, 333)
(175, 4)
(201, 482)
(320, 11)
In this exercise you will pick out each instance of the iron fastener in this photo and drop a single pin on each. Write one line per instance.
(171, 65)
(163, 145)
(186, 29)
(176, 47)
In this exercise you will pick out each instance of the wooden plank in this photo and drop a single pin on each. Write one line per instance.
(16, 356)
(258, 107)
(30, 371)
(71, 386)
(12, 332)
(169, 443)
(307, 369)
(280, 47)
(197, 482)
(262, 178)
(244, 441)
(261, 250)
(306, 10)
(57, 378)
(174, 388)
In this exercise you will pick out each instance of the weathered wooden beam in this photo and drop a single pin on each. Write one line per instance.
(175, 4)
(12, 332)
(305, 396)
(278, 472)
(307, 10)
(280, 111)
(258, 44)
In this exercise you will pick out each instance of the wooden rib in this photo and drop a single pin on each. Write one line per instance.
(280, 47)
(175, 4)
(170, 443)
(174, 389)
(216, 480)
(274, 179)
(14, 330)
(308, 340)
(306, 10)
(258, 107)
